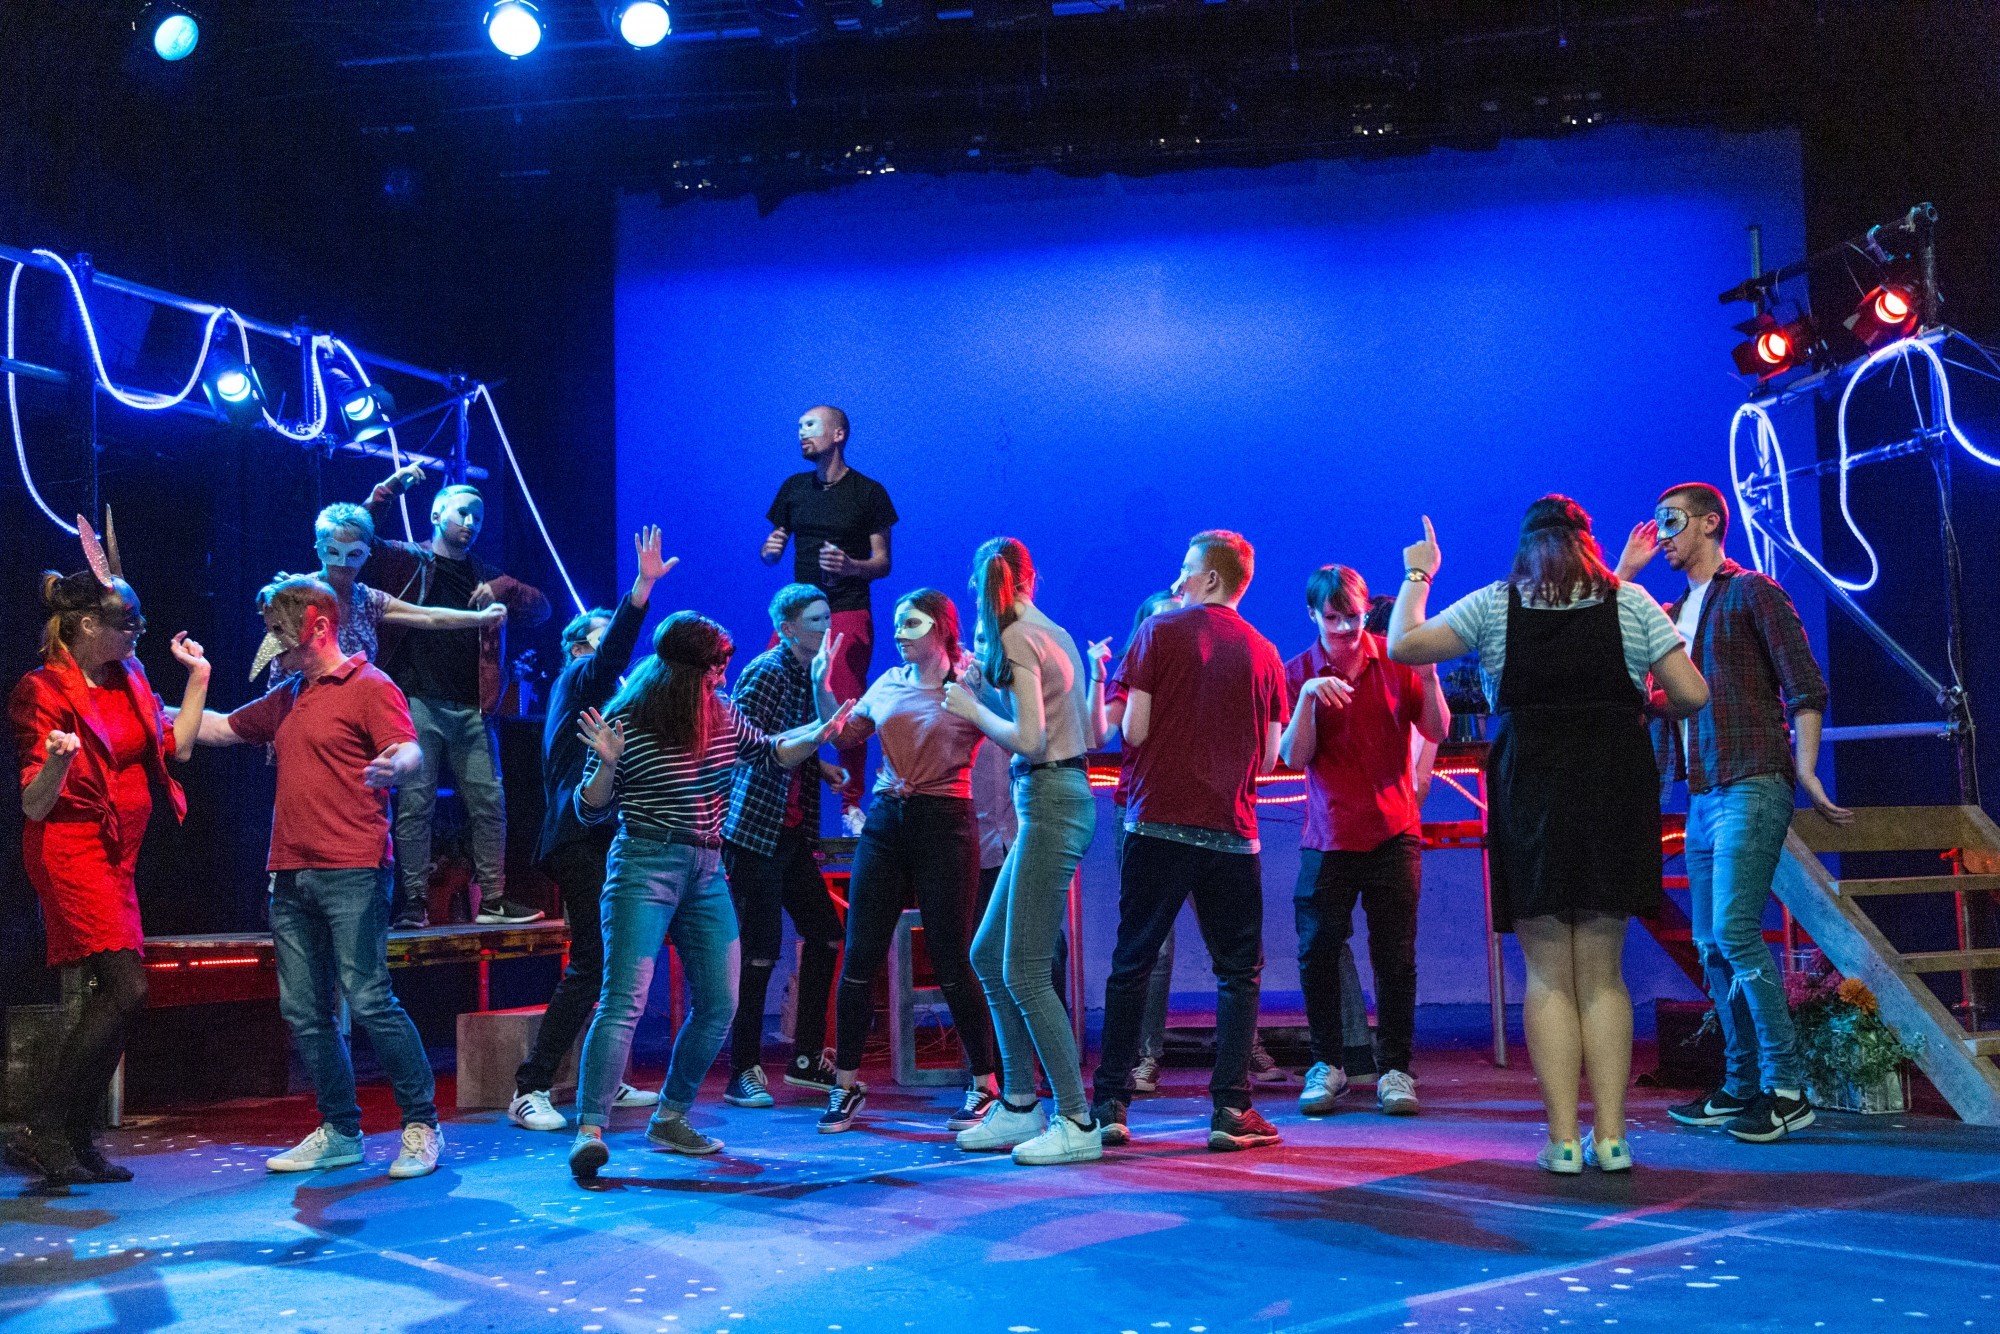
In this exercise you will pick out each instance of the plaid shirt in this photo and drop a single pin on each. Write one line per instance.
(774, 694)
(1760, 671)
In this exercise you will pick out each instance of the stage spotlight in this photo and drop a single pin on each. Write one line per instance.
(514, 26)
(638, 23)
(367, 410)
(232, 389)
(788, 22)
(1774, 348)
(169, 29)
(1889, 312)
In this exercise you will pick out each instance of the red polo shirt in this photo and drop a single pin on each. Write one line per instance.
(1359, 793)
(324, 734)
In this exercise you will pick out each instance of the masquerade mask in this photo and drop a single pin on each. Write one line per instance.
(913, 625)
(275, 643)
(334, 554)
(811, 427)
(1672, 520)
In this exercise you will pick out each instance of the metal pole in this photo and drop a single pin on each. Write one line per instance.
(1958, 703)
(459, 460)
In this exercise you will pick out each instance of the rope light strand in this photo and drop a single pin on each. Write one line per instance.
(14, 413)
(529, 496)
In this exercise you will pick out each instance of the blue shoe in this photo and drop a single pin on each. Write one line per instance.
(841, 1106)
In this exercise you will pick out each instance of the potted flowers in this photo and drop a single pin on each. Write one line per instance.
(1854, 1062)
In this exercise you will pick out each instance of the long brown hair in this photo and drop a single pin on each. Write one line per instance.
(944, 611)
(70, 598)
(1003, 576)
(1558, 561)
(668, 695)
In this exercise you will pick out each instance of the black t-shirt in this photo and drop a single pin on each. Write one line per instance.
(847, 514)
(442, 664)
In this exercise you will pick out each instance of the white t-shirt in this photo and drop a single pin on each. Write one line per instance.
(1480, 619)
(1689, 622)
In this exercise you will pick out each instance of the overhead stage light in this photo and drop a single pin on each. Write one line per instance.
(169, 29)
(514, 26)
(1774, 348)
(232, 389)
(1889, 312)
(638, 23)
(366, 410)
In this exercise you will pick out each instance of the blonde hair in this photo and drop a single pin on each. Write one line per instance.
(1230, 555)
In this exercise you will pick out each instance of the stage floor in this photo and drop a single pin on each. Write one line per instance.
(1357, 1222)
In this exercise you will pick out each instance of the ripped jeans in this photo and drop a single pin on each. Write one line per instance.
(1734, 835)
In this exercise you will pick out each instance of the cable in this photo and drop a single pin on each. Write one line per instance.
(143, 400)
(14, 412)
(315, 392)
(528, 496)
(395, 450)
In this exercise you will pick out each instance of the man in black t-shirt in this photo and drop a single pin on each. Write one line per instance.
(452, 680)
(838, 522)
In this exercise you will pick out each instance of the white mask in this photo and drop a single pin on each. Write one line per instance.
(811, 427)
(913, 625)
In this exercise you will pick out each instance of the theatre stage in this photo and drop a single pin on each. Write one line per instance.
(1358, 1222)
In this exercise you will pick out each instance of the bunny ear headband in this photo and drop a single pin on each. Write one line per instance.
(105, 566)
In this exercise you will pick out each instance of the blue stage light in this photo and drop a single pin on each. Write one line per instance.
(230, 384)
(641, 23)
(514, 26)
(171, 30)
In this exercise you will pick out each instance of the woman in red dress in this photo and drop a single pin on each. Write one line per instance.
(93, 740)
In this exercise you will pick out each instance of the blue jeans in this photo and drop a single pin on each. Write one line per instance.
(1016, 942)
(1734, 835)
(464, 736)
(331, 934)
(655, 890)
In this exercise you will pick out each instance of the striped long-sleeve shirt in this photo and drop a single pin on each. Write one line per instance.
(671, 789)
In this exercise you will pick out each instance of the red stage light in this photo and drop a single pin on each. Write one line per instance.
(1889, 312)
(1773, 347)
(1892, 306)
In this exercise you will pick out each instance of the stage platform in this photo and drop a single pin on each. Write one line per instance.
(1357, 1222)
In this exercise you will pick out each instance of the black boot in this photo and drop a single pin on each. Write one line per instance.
(91, 1159)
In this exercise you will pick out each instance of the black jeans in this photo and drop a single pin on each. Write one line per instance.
(1385, 880)
(75, 1085)
(578, 870)
(766, 888)
(926, 848)
(1156, 876)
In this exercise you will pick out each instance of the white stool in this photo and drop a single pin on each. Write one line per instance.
(904, 996)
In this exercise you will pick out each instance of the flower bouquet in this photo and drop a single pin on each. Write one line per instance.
(1854, 1062)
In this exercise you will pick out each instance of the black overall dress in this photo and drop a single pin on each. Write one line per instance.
(1574, 791)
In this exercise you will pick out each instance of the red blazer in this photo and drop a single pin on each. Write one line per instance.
(55, 697)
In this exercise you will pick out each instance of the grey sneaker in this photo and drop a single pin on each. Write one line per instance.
(324, 1148)
(419, 1157)
(588, 1153)
(1324, 1084)
(672, 1131)
(1396, 1093)
(1146, 1075)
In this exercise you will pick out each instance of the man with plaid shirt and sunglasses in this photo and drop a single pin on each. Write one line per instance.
(770, 840)
(1740, 755)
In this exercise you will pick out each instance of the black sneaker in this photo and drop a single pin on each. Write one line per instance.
(748, 1089)
(1111, 1119)
(978, 1100)
(1245, 1128)
(1710, 1109)
(841, 1105)
(102, 1170)
(811, 1072)
(410, 921)
(1771, 1116)
(507, 913)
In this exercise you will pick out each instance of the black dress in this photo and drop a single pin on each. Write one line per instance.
(1574, 790)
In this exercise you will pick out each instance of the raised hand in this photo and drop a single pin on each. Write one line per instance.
(651, 567)
(404, 477)
(1423, 555)
(61, 747)
(381, 771)
(822, 663)
(607, 740)
(831, 727)
(960, 701)
(774, 546)
(190, 654)
(1640, 548)
(1327, 692)
(1098, 655)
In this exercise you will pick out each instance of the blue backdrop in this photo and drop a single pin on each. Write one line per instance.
(1314, 354)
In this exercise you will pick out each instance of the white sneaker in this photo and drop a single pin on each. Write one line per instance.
(1063, 1142)
(1396, 1094)
(1003, 1128)
(419, 1157)
(325, 1147)
(628, 1096)
(533, 1111)
(852, 819)
(1324, 1084)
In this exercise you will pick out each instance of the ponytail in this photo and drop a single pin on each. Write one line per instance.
(1003, 576)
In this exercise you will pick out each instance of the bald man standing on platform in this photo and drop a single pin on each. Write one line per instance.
(838, 523)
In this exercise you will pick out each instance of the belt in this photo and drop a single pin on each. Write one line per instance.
(1073, 762)
(662, 834)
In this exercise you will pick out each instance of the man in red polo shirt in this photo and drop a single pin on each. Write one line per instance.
(1204, 708)
(1350, 733)
(340, 731)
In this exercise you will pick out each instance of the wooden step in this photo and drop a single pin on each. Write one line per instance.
(1983, 1044)
(1898, 829)
(1920, 884)
(1951, 961)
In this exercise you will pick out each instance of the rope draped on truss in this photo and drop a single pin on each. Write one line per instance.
(318, 403)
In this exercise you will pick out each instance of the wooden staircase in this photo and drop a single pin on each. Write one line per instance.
(1834, 913)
